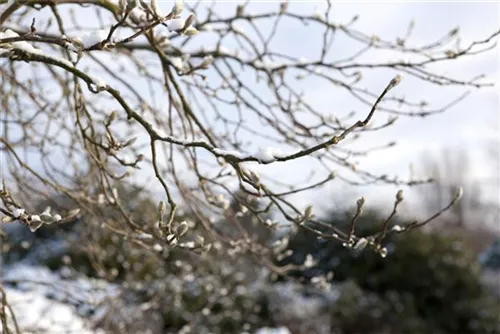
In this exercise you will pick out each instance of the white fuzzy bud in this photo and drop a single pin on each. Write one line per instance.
(309, 213)
(35, 223)
(458, 194)
(162, 208)
(207, 61)
(309, 262)
(399, 195)
(113, 116)
(155, 8)
(397, 228)
(182, 229)
(132, 4)
(361, 243)
(73, 213)
(189, 244)
(361, 202)
(47, 218)
(178, 7)
(200, 241)
(130, 141)
(395, 81)
(190, 31)
(144, 236)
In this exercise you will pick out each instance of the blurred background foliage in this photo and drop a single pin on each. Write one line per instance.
(429, 282)
(433, 280)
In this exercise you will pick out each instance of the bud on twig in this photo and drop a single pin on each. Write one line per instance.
(395, 81)
(178, 8)
(383, 252)
(360, 244)
(73, 213)
(399, 196)
(156, 10)
(131, 5)
(182, 229)
(34, 222)
(200, 241)
(162, 207)
(239, 10)
(454, 31)
(113, 117)
(130, 141)
(189, 21)
(284, 7)
(309, 213)
(207, 61)
(397, 228)
(360, 203)
(47, 218)
(458, 195)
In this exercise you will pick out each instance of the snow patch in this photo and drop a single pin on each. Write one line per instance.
(175, 24)
(92, 38)
(236, 154)
(44, 302)
(268, 330)
(269, 154)
(22, 45)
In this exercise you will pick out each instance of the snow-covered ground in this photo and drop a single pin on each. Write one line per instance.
(45, 302)
(59, 303)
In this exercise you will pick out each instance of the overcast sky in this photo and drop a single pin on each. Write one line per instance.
(470, 124)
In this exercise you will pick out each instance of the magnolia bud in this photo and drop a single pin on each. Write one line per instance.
(395, 81)
(189, 21)
(399, 195)
(397, 228)
(132, 4)
(200, 241)
(283, 7)
(113, 116)
(361, 243)
(458, 194)
(309, 213)
(162, 208)
(73, 213)
(47, 218)
(178, 8)
(190, 31)
(130, 141)
(34, 222)
(207, 61)
(360, 202)
(182, 229)
(154, 7)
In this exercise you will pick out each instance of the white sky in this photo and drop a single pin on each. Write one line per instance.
(467, 124)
